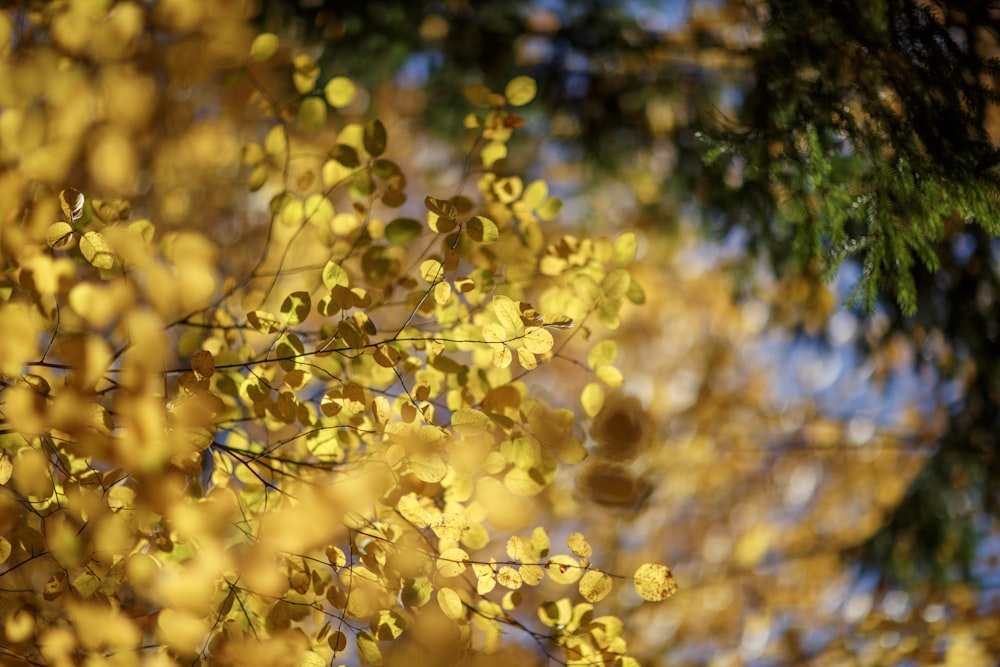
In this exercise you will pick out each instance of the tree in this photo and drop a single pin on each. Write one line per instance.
(320, 446)
(290, 427)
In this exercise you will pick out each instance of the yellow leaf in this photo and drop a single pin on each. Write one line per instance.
(482, 96)
(467, 421)
(654, 582)
(520, 91)
(312, 113)
(502, 357)
(537, 340)
(368, 649)
(428, 467)
(5, 549)
(485, 577)
(482, 230)
(616, 283)
(334, 275)
(493, 151)
(592, 399)
(563, 569)
(58, 235)
(531, 573)
(526, 359)
(508, 577)
(523, 482)
(602, 353)
(535, 194)
(452, 562)
(96, 250)
(442, 293)
(595, 586)
(304, 73)
(263, 321)
(610, 376)
(556, 614)
(624, 249)
(507, 312)
(431, 270)
(578, 545)
(263, 47)
(451, 603)
(550, 209)
(340, 91)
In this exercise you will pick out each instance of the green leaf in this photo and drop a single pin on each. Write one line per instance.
(403, 230)
(375, 138)
(346, 155)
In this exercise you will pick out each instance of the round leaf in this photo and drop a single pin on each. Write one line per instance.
(340, 91)
(520, 91)
(452, 562)
(403, 230)
(654, 582)
(96, 250)
(264, 46)
(595, 586)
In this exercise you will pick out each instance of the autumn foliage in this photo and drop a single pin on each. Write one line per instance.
(297, 420)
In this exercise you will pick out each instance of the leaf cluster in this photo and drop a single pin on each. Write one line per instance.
(315, 456)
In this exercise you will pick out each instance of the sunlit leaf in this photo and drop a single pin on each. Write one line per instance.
(509, 577)
(466, 421)
(492, 152)
(340, 91)
(451, 603)
(58, 235)
(654, 582)
(452, 562)
(263, 47)
(578, 545)
(563, 569)
(482, 230)
(624, 249)
(96, 250)
(263, 321)
(334, 275)
(594, 586)
(71, 201)
(368, 649)
(295, 307)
